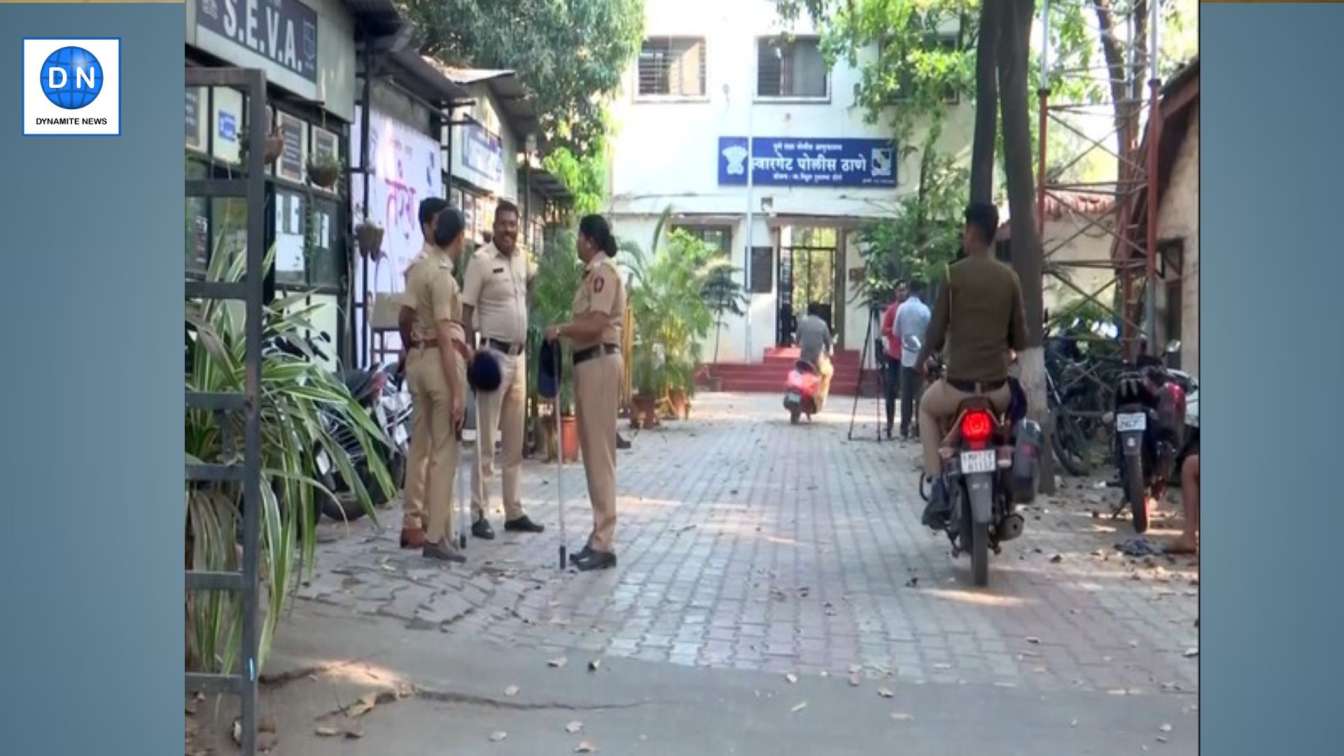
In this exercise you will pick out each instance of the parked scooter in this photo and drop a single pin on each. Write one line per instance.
(991, 462)
(802, 393)
(1150, 418)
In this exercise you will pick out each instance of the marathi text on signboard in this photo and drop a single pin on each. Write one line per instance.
(801, 161)
(483, 152)
(404, 169)
(282, 31)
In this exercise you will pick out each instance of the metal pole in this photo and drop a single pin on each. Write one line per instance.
(256, 243)
(1154, 134)
(1044, 93)
(751, 171)
(560, 452)
(366, 329)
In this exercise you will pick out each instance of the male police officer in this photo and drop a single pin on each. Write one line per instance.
(981, 319)
(413, 520)
(494, 301)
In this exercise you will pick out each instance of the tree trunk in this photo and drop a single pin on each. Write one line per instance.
(986, 103)
(1014, 44)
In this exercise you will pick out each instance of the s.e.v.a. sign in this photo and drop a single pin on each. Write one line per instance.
(282, 31)
(803, 161)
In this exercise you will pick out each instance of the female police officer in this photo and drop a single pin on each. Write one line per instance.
(437, 372)
(595, 332)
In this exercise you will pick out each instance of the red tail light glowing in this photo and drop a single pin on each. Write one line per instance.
(976, 428)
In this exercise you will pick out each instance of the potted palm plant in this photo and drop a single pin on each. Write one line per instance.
(559, 274)
(671, 317)
(724, 296)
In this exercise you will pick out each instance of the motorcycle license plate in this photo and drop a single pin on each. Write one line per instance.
(979, 461)
(793, 397)
(1136, 421)
(323, 463)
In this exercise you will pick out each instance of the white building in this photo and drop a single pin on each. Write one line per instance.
(710, 75)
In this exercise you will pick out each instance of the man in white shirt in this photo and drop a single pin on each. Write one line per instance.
(912, 320)
(494, 298)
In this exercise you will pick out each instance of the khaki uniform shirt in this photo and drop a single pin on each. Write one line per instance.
(602, 291)
(432, 291)
(406, 299)
(979, 316)
(495, 286)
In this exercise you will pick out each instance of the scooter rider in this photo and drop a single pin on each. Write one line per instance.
(981, 317)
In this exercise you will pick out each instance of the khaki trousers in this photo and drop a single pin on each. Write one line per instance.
(826, 369)
(938, 408)
(501, 410)
(417, 468)
(432, 419)
(597, 396)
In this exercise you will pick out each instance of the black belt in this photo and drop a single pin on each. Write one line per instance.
(512, 350)
(973, 387)
(583, 355)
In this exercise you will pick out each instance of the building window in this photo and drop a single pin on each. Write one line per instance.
(791, 68)
(945, 42)
(1171, 253)
(672, 67)
(718, 237)
(762, 269)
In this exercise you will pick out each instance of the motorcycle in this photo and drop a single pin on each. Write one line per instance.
(991, 462)
(802, 391)
(1150, 419)
(381, 391)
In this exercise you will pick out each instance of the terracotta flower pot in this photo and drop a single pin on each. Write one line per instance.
(275, 144)
(644, 413)
(680, 404)
(569, 437)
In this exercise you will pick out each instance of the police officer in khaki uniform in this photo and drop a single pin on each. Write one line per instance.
(413, 520)
(599, 306)
(437, 370)
(494, 298)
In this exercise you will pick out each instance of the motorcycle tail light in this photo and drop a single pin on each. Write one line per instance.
(976, 428)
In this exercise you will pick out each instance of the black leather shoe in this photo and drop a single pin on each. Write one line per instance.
(596, 560)
(481, 529)
(523, 524)
(443, 551)
(580, 554)
(621, 443)
(937, 510)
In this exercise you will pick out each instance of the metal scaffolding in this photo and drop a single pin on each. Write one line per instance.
(245, 472)
(1131, 31)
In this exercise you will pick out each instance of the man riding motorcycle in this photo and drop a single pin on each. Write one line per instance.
(980, 317)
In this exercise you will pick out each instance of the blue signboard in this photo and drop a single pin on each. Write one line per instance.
(483, 152)
(804, 161)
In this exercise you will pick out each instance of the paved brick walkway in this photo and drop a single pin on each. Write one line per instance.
(749, 543)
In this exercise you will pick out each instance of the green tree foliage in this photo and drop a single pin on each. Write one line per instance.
(585, 176)
(567, 54)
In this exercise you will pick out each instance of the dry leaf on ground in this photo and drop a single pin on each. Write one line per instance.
(363, 706)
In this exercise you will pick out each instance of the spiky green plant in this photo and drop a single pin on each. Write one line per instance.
(294, 393)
